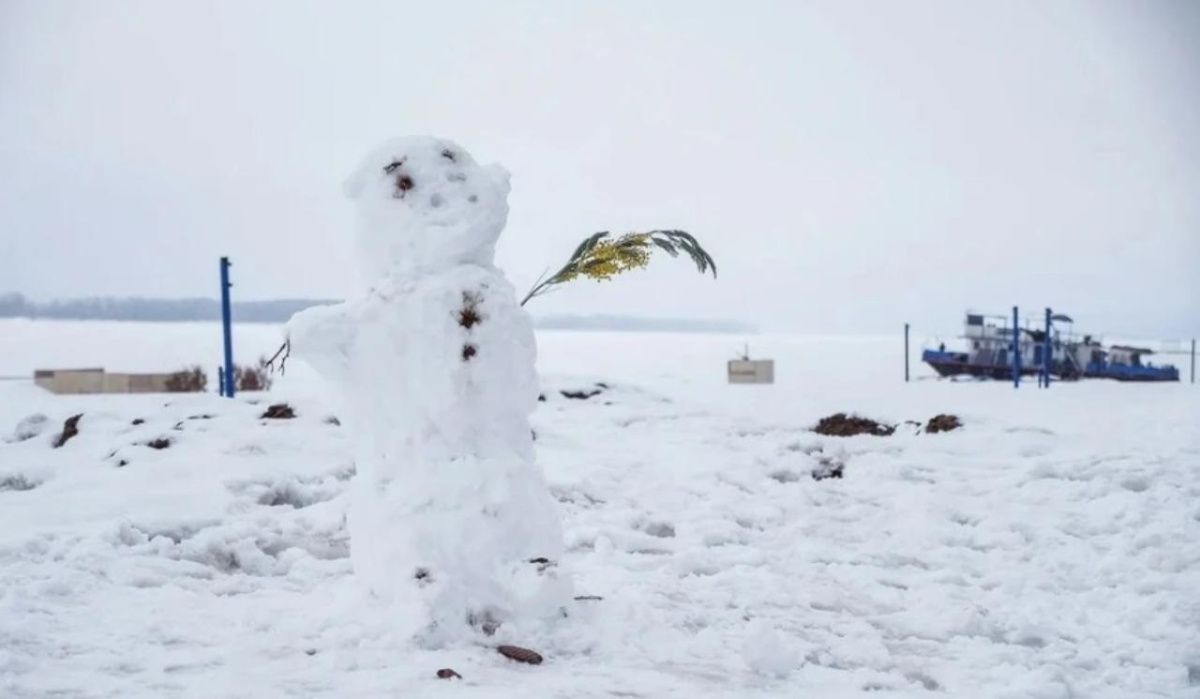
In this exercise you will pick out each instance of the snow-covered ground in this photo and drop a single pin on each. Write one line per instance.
(1049, 548)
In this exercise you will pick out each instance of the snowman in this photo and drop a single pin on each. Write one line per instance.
(452, 526)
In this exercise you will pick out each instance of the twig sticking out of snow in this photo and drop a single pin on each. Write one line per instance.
(70, 429)
(286, 350)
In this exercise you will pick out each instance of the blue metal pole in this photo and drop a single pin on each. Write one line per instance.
(1016, 354)
(227, 323)
(1046, 352)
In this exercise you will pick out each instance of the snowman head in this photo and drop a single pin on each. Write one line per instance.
(424, 205)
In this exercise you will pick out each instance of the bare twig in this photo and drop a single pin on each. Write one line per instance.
(286, 350)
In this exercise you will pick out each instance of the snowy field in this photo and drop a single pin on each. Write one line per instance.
(1049, 548)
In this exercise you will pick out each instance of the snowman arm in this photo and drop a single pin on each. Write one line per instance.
(322, 336)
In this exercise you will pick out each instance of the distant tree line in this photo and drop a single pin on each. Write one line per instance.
(15, 305)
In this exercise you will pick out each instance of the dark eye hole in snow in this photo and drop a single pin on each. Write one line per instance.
(17, 482)
(468, 351)
(449, 155)
(391, 167)
(469, 315)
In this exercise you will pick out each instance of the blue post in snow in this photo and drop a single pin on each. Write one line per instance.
(1016, 355)
(227, 323)
(1046, 351)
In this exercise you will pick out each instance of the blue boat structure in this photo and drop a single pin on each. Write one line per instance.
(988, 352)
(1124, 363)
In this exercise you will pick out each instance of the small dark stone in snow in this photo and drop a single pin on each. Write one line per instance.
(122, 463)
(588, 598)
(160, 443)
(521, 655)
(332, 420)
(138, 421)
(70, 429)
(448, 674)
(541, 397)
(279, 411)
(311, 651)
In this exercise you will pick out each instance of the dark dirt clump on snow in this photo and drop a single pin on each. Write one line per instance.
(843, 425)
(279, 411)
(942, 423)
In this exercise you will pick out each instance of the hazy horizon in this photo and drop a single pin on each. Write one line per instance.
(851, 166)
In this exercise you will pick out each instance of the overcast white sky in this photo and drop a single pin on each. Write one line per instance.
(850, 165)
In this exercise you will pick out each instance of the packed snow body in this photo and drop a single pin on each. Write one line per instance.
(451, 522)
